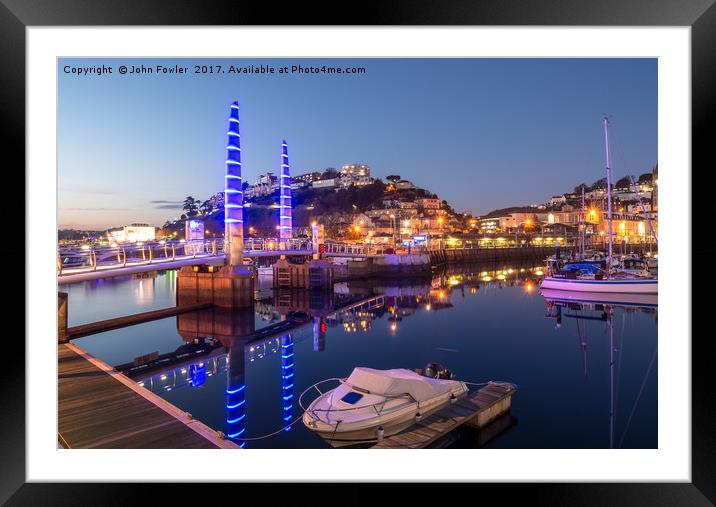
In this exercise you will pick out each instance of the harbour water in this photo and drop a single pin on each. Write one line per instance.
(586, 373)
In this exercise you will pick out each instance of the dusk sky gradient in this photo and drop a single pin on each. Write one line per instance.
(481, 133)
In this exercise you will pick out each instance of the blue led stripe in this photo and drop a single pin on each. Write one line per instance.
(286, 357)
(240, 432)
(232, 191)
(238, 389)
(234, 162)
(289, 386)
(233, 206)
(232, 421)
(234, 221)
(237, 405)
(288, 397)
(287, 366)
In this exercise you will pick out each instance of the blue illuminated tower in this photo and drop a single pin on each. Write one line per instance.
(287, 364)
(285, 219)
(233, 194)
(235, 394)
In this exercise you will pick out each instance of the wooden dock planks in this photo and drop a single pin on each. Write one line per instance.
(102, 409)
(479, 409)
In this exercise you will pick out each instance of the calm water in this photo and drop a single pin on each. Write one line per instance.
(574, 364)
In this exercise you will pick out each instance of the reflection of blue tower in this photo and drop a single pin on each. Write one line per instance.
(285, 219)
(235, 394)
(197, 372)
(287, 363)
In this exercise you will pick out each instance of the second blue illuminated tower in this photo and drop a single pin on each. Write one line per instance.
(285, 218)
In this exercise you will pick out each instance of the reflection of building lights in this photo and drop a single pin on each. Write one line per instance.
(427, 307)
(539, 272)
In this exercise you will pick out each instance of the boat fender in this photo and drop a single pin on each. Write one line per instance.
(381, 433)
(418, 416)
(453, 398)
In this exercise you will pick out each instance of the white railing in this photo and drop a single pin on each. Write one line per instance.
(93, 258)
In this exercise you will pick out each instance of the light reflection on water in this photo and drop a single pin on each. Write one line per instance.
(585, 380)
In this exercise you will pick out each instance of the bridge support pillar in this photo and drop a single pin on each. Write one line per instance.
(229, 287)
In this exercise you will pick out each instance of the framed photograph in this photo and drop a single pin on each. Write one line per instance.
(261, 252)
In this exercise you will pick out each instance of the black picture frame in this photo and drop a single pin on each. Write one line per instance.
(700, 15)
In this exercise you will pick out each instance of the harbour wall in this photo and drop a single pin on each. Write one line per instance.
(422, 264)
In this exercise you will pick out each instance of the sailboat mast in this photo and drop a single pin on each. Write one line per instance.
(583, 232)
(609, 195)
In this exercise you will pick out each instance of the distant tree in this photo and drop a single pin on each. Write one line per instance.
(191, 206)
(624, 182)
(206, 207)
(600, 183)
(393, 178)
(329, 174)
(644, 178)
(578, 188)
(244, 185)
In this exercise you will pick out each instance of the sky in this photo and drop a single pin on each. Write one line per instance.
(480, 133)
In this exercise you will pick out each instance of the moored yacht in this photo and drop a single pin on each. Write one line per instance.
(591, 277)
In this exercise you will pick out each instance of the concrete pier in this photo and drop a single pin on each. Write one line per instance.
(225, 288)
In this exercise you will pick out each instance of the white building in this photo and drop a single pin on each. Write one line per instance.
(556, 200)
(404, 185)
(325, 183)
(133, 233)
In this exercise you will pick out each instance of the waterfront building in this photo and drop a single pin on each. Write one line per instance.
(133, 233)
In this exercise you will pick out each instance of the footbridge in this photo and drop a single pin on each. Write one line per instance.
(82, 264)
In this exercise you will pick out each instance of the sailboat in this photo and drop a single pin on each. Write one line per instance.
(587, 277)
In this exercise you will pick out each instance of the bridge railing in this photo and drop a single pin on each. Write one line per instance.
(91, 258)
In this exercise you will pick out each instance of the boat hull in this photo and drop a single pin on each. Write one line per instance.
(391, 424)
(649, 286)
(607, 298)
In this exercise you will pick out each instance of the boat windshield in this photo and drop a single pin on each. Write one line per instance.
(352, 397)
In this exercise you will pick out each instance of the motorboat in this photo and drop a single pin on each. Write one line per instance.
(372, 404)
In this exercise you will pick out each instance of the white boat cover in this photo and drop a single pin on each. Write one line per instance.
(397, 382)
